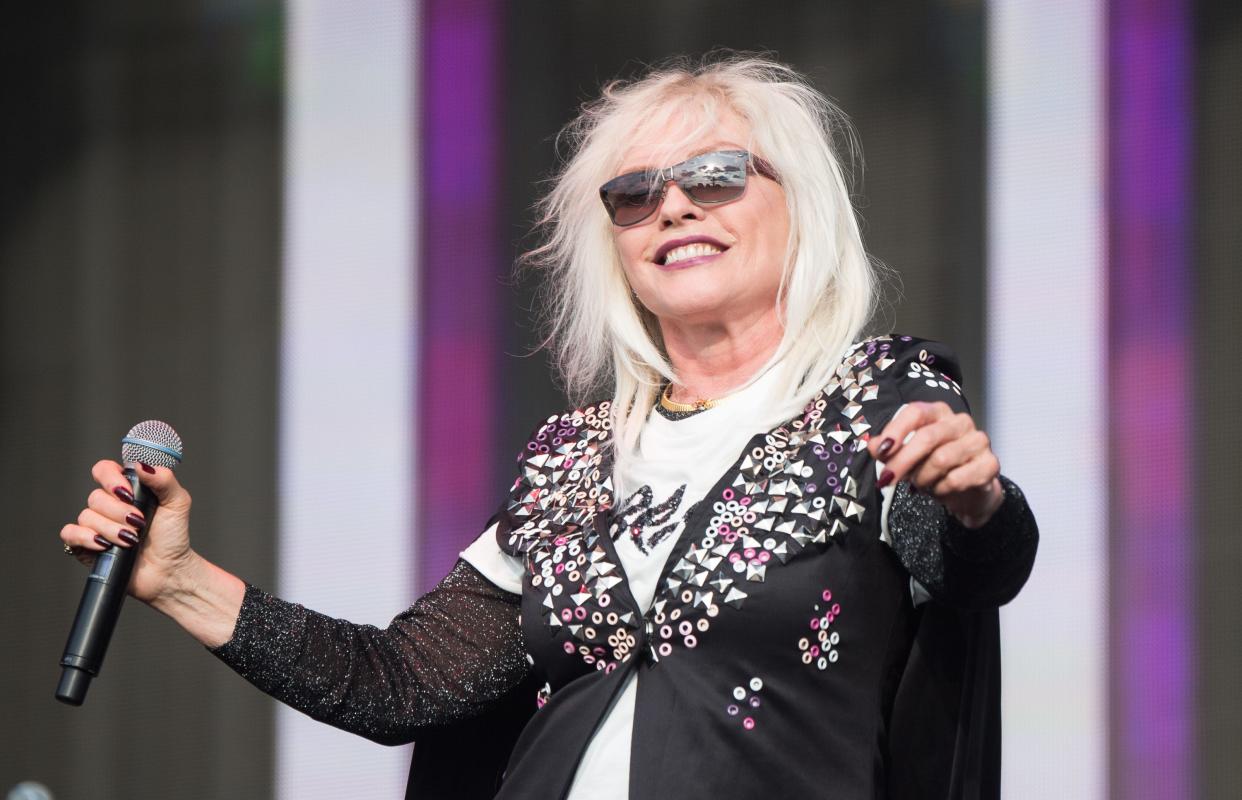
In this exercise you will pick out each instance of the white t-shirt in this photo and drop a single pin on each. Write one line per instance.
(676, 463)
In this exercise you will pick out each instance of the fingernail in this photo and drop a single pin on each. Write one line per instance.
(128, 537)
(886, 477)
(135, 520)
(884, 447)
(124, 494)
(102, 542)
(147, 468)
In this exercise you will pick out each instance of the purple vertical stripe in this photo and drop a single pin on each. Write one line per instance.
(1153, 528)
(458, 283)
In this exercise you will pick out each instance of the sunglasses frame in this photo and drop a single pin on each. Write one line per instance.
(659, 180)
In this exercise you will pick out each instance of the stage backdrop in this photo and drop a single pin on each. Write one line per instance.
(289, 230)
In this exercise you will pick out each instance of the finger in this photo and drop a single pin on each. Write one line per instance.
(114, 508)
(108, 475)
(69, 534)
(163, 482)
(106, 529)
(977, 475)
(84, 539)
(905, 421)
(948, 457)
(921, 443)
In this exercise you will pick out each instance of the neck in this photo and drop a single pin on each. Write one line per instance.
(713, 359)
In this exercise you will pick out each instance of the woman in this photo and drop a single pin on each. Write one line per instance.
(769, 563)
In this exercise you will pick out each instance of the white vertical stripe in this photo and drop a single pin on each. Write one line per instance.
(1047, 381)
(347, 381)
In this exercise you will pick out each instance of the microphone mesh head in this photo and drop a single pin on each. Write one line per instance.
(152, 442)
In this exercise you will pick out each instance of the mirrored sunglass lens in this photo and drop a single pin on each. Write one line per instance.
(637, 212)
(713, 177)
(631, 197)
(630, 208)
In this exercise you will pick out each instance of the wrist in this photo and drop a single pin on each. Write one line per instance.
(1010, 529)
(181, 582)
(203, 599)
(992, 498)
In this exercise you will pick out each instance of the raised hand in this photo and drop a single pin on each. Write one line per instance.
(943, 454)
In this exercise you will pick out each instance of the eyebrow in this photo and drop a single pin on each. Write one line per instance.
(711, 148)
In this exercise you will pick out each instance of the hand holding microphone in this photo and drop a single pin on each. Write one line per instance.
(134, 534)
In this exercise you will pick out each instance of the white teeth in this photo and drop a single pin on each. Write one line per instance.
(691, 251)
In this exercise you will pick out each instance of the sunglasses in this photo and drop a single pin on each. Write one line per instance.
(707, 179)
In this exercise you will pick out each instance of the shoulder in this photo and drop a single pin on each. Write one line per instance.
(894, 354)
(895, 369)
(563, 479)
(591, 423)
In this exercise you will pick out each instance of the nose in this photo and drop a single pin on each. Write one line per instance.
(677, 207)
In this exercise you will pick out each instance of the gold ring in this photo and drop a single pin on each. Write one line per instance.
(70, 550)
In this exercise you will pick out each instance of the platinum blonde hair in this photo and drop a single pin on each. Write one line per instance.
(601, 336)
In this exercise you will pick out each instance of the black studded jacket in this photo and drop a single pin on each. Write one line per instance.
(783, 654)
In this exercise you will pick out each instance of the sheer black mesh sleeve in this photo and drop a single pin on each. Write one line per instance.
(959, 566)
(457, 649)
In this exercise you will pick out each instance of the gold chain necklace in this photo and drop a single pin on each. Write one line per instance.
(669, 404)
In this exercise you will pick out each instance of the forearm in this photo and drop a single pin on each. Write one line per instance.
(959, 566)
(457, 649)
(205, 601)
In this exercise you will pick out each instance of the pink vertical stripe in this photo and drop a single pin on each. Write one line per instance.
(460, 263)
(1153, 642)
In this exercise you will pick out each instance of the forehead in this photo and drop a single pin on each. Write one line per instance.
(667, 143)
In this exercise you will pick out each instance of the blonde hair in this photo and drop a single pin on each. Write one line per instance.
(600, 335)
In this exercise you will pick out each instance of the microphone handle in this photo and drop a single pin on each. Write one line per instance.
(100, 607)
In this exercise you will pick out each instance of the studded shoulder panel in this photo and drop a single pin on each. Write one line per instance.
(564, 479)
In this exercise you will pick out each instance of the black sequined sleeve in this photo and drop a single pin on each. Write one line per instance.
(962, 567)
(457, 649)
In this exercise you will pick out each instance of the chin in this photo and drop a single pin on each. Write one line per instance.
(696, 311)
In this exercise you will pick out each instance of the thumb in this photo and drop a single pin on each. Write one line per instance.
(163, 483)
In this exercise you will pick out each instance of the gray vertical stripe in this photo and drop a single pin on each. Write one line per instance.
(139, 238)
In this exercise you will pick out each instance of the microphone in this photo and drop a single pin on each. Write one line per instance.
(154, 443)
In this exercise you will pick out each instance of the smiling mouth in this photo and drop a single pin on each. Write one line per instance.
(689, 251)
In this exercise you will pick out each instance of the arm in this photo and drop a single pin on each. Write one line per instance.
(964, 533)
(452, 652)
(967, 568)
(458, 648)
(168, 574)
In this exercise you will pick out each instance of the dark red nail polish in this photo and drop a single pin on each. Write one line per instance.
(147, 468)
(886, 477)
(129, 537)
(885, 447)
(102, 542)
(124, 494)
(135, 520)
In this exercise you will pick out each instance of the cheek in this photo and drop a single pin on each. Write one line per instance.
(775, 240)
(767, 253)
(629, 249)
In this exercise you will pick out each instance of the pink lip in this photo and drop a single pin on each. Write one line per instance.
(673, 244)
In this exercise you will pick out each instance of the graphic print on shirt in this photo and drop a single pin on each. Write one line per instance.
(647, 523)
